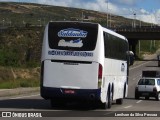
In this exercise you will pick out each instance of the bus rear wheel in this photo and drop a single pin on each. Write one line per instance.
(108, 102)
(119, 101)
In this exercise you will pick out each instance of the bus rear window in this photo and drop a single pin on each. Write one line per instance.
(72, 36)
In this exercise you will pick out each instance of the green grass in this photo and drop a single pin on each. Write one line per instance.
(19, 83)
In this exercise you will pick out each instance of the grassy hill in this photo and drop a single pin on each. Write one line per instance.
(20, 14)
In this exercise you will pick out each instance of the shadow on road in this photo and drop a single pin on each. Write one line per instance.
(43, 107)
(41, 104)
(25, 103)
(142, 98)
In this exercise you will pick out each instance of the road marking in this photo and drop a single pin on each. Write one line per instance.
(139, 65)
(138, 77)
(139, 101)
(128, 106)
(25, 96)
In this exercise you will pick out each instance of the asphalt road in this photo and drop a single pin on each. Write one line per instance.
(34, 103)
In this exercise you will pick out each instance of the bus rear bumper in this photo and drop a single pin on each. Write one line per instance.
(70, 94)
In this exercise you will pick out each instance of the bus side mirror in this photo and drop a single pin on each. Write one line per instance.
(130, 57)
(158, 57)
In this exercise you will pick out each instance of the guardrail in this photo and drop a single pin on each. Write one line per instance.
(137, 29)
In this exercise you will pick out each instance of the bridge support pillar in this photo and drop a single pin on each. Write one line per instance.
(132, 46)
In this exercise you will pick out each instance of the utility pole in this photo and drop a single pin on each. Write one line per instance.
(154, 43)
(82, 16)
(151, 46)
(107, 11)
(134, 20)
(110, 19)
(139, 47)
(140, 23)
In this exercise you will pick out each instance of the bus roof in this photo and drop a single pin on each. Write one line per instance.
(114, 33)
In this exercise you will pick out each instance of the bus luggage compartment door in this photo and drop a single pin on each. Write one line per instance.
(70, 74)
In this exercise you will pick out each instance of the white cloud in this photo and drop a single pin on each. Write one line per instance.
(150, 18)
(143, 11)
(101, 5)
(157, 16)
(146, 16)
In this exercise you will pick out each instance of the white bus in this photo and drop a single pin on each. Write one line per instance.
(83, 61)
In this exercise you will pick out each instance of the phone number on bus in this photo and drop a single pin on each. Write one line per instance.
(70, 53)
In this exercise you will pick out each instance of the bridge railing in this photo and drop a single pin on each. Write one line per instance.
(137, 29)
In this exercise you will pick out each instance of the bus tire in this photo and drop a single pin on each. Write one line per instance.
(104, 105)
(108, 102)
(119, 101)
(136, 95)
(158, 96)
(124, 91)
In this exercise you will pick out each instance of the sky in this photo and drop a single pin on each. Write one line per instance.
(145, 10)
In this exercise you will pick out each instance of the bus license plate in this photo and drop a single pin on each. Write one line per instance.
(69, 91)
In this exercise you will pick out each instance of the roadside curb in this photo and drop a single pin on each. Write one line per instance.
(18, 91)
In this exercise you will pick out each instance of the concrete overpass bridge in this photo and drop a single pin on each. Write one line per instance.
(139, 33)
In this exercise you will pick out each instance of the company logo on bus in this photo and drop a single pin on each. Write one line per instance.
(72, 43)
(71, 32)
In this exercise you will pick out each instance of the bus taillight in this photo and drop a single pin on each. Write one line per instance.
(100, 72)
(100, 76)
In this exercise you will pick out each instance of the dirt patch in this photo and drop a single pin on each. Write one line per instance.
(5, 74)
(10, 73)
(30, 6)
(149, 56)
(27, 73)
